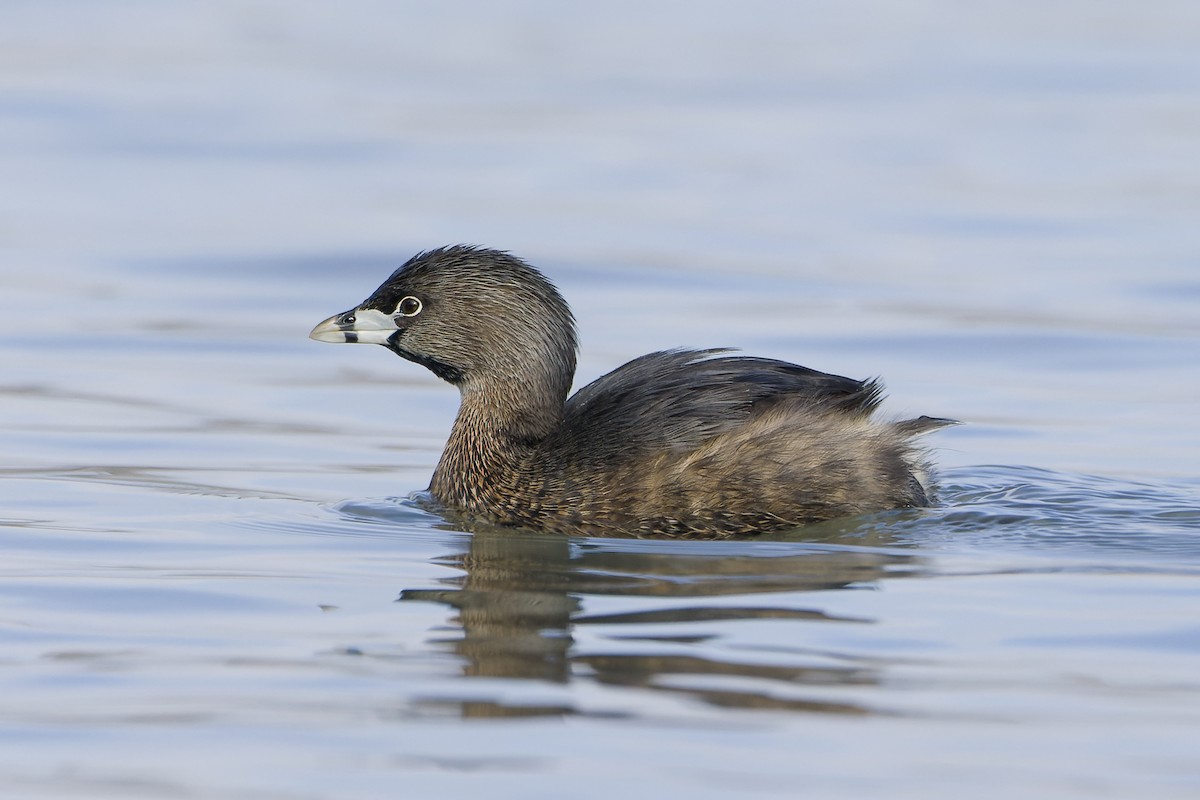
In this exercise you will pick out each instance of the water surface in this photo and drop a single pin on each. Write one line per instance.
(215, 582)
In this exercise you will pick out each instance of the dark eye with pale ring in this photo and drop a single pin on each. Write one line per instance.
(408, 307)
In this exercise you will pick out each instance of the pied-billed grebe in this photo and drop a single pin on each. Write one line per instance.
(683, 443)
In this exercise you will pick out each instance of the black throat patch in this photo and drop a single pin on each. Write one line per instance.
(446, 372)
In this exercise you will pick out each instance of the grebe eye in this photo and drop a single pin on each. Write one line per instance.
(408, 307)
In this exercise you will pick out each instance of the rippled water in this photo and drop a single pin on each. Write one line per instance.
(215, 580)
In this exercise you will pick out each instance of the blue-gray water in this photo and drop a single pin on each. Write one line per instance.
(213, 584)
